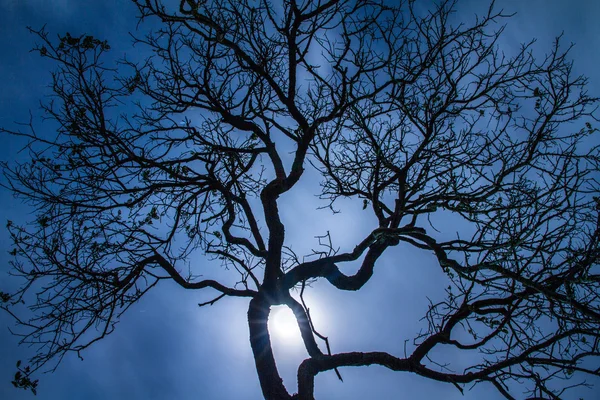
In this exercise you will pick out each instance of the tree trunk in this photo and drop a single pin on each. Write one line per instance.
(270, 381)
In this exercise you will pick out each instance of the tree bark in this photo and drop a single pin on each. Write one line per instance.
(270, 381)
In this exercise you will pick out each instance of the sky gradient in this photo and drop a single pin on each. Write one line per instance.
(165, 347)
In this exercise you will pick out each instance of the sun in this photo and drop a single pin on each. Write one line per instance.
(282, 323)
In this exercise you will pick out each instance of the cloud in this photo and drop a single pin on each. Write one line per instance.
(62, 8)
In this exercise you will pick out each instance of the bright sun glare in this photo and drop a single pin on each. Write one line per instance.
(282, 323)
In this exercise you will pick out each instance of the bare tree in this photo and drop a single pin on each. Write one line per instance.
(413, 116)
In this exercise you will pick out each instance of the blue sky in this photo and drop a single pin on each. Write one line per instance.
(166, 347)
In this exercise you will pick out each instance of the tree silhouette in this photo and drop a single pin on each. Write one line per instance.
(189, 152)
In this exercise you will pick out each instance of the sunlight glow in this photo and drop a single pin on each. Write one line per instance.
(282, 324)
